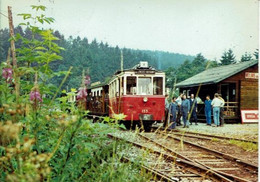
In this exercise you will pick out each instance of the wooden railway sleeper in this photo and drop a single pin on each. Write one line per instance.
(226, 156)
(188, 165)
(229, 176)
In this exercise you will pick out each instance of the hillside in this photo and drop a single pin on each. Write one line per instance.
(99, 58)
(165, 60)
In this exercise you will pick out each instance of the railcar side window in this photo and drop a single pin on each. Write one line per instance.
(157, 86)
(131, 85)
(122, 86)
(144, 86)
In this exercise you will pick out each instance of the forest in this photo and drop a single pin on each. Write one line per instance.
(101, 61)
(98, 58)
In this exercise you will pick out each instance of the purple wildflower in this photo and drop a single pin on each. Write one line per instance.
(87, 80)
(7, 73)
(35, 96)
(82, 94)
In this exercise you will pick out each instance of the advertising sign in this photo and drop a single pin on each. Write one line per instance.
(249, 116)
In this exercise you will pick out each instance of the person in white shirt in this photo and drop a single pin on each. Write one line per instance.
(216, 104)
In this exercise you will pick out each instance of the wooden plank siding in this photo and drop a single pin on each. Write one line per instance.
(246, 88)
(249, 95)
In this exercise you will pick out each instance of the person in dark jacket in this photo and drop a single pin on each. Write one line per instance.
(185, 109)
(167, 104)
(178, 119)
(194, 109)
(173, 112)
(208, 109)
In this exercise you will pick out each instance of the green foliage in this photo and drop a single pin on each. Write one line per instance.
(256, 54)
(51, 140)
(246, 57)
(81, 54)
(228, 57)
(187, 70)
(247, 146)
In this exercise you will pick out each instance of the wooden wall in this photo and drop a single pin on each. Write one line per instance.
(249, 95)
(247, 88)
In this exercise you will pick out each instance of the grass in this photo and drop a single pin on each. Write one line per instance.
(248, 146)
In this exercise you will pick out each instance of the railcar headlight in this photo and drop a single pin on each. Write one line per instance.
(145, 99)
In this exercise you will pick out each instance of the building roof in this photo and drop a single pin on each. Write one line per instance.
(217, 74)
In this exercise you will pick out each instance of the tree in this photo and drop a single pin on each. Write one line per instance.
(170, 76)
(199, 63)
(256, 53)
(228, 57)
(199, 59)
(246, 57)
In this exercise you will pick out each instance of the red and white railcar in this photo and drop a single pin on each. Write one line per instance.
(138, 93)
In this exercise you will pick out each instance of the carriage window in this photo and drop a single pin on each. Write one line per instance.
(144, 86)
(122, 86)
(157, 86)
(131, 85)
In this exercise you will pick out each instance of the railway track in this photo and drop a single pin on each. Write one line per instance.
(157, 175)
(219, 146)
(180, 168)
(226, 165)
(205, 136)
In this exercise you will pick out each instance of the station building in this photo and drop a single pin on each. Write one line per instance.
(238, 84)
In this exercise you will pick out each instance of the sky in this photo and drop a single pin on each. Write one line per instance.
(188, 27)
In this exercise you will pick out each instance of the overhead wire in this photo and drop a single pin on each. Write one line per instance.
(4, 15)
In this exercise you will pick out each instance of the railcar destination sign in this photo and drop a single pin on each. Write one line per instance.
(144, 71)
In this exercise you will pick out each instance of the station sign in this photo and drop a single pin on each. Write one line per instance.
(144, 72)
(249, 116)
(251, 75)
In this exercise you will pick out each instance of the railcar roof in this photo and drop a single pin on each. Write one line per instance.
(138, 67)
(215, 75)
(98, 85)
(135, 68)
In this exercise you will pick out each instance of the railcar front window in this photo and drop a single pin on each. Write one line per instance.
(131, 85)
(157, 85)
(144, 86)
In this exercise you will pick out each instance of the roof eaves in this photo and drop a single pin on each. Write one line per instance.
(218, 80)
(236, 71)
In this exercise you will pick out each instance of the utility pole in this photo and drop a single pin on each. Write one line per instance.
(122, 61)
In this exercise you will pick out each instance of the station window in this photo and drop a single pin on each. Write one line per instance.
(131, 85)
(157, 86)
(144, 86)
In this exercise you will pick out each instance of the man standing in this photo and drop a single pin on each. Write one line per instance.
(179, 101)
(208, 110)
(216, 104)
(194, 109)
(221, 115)
(185, 108)
(173, 112)
(167, 104)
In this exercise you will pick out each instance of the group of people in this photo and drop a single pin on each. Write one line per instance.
(182, 108)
